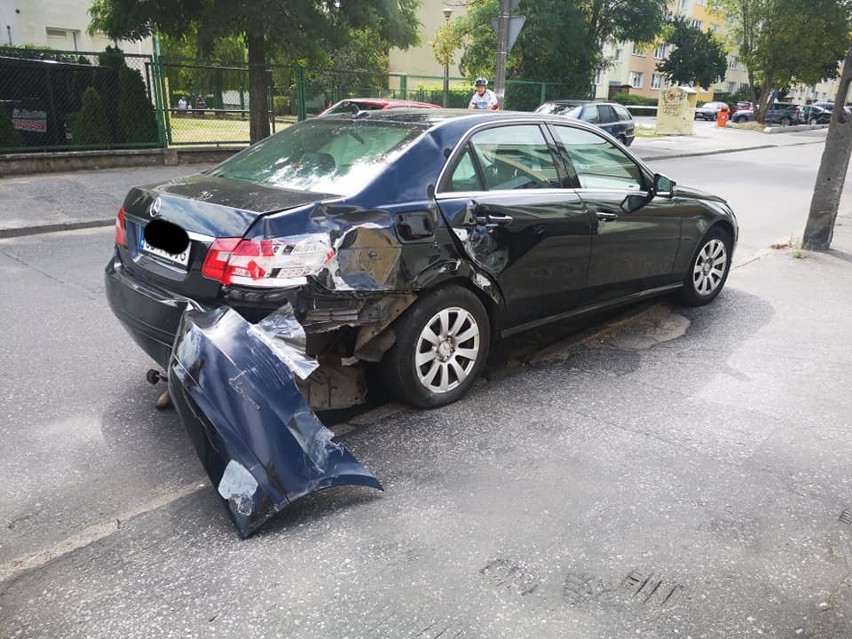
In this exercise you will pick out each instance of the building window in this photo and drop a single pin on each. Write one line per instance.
(732, 87)
(700, 3)
(657, 81)
(661, 52)
(619, 53)
(682, 5)
(637, 79)
(598, 77)
(744, 86)
(637, 50)
(698, 24)
(62, 39)
(733, 62)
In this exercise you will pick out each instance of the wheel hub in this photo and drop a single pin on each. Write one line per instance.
(445, 349)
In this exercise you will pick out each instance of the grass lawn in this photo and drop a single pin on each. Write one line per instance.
(210, 130)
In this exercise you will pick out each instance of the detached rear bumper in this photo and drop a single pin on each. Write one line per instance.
(255, 434)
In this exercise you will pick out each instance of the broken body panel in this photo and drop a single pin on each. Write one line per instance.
(234, 387)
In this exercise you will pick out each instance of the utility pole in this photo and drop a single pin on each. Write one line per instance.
(502, 49)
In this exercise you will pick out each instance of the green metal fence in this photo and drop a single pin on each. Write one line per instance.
(139, 101)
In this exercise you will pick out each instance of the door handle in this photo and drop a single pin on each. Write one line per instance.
(486, 218)
(603, 216)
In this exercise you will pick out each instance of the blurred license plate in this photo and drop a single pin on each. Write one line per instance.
(175, 258)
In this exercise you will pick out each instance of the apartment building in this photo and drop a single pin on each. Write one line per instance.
(632, 69)
(58, 24)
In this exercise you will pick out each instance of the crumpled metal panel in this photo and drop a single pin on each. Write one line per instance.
(257, 438)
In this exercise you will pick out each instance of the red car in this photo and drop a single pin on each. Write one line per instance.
(350, 105)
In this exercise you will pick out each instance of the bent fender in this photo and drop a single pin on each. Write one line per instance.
(257, 438)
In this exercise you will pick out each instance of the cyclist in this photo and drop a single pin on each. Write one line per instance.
(483, 98)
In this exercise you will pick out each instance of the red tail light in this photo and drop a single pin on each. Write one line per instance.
(217, 258)
(120, 226)
(267, 263)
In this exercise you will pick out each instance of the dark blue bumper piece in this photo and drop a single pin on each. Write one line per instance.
(259, 441)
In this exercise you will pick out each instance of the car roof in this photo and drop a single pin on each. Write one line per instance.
(458, 120)
(388, 103)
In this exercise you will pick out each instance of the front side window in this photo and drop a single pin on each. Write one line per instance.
(514, 157)
(599, 164)
(323, 156)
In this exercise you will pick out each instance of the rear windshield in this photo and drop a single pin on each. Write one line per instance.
(324, 156)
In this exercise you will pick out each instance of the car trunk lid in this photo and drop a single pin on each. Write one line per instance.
(190, 213)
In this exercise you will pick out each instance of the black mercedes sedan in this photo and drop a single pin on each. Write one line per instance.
(413, 240)
(402, 243)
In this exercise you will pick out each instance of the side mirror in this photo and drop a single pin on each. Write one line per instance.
(663, 186)
(634, 202)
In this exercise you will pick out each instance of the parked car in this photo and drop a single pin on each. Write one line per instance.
(785, 114)
(350, 105)
(709, 110)
(778, 113)
(813, 114)
(829, 106)
(613, 118)
(742, 115)
(405, 241)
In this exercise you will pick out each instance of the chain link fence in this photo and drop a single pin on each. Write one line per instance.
(75, 101)
(61, 100)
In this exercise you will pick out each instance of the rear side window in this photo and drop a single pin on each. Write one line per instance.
(598, 163)
(622, 113)
(514, 157)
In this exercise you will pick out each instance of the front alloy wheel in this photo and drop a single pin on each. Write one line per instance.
(708, 270)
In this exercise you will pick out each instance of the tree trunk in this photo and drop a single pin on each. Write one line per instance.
(832, 170)
(258, 107)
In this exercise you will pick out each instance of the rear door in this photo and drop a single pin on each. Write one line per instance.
(507, 196)
(631, 252)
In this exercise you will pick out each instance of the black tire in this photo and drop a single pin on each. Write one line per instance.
(708, 269)
(453, 365)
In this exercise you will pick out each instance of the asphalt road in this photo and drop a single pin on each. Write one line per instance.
(673, 473)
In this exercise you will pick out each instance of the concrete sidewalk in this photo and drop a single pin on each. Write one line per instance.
(710, 139)
(65, 201)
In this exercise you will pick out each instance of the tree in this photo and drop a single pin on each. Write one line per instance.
(294, 28)
(831, 176)
(697, 57)
(136, 120)
(561, 42)
(9, 136)
(786, 41)
(91, 126)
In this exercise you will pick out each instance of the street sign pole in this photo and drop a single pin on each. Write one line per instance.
(502, 49)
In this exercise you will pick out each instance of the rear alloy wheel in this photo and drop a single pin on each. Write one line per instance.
(785, 121)
(442, 343)
(708, 270)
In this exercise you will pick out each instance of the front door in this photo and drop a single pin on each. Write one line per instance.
(631, 252)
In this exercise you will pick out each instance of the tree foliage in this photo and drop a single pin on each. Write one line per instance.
(9, 137)
(91, 126)
(136, 120)
(297, 30)
(561, 41)
(697, 57)
(782, 42)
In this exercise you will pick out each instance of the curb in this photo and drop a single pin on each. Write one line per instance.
(23, 231)
(673, 156)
